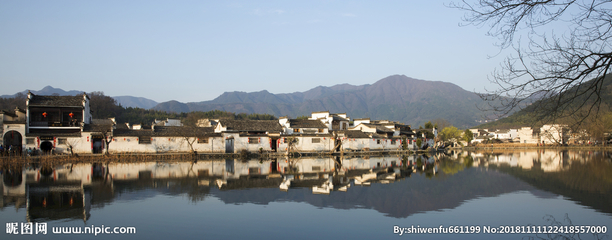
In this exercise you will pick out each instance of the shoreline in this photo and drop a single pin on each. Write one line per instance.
(176, 157)
(509, 147)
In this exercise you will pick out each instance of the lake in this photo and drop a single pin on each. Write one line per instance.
(367, 197)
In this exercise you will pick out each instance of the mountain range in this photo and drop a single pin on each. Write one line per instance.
(396, 98)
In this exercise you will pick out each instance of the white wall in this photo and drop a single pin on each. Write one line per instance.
(305, 143)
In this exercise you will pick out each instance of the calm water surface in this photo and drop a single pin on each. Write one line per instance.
(358, 197)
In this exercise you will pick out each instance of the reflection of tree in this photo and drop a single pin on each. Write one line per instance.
(292, 165)
(468, 161)
(588, 181)
(450, 167)
(195, 192)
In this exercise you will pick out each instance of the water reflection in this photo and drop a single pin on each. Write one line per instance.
(383, 183)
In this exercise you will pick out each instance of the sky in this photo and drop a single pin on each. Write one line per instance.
(193, 51)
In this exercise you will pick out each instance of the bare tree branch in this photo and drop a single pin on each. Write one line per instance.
(564, 71)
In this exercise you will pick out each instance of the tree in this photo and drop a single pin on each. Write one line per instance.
(450, 133)
(102, 106)
(547, 65)
(71, 142)
(468, 136)
(103, 127)
(597, 128)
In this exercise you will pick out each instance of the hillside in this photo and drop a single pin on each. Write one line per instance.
(396, 97)
(528, 116)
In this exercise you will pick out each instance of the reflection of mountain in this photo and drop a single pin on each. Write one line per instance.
(399, 199)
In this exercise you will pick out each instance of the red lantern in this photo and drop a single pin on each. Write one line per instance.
(44, 114)
(71, 115)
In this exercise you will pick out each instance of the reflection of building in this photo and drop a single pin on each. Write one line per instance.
(65, 191)
(547, 161)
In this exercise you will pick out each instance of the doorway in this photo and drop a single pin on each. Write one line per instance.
(273, 144)
(12, 141)
(229, 145)
(97, 144)
(46, 147)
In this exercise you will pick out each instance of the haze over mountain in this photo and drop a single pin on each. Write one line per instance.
(396, 97)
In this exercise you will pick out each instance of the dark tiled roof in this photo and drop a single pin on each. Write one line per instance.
(132, 133)
(407, 133)
(98, 125)
(182, 131)
(54, 133)
(303, 123)
(251, 125)
(379, 128)
(376, 135)
(7, 113)
(354, 134)
(169, 131)
(97, 121)
(56, 101)
(51, 134)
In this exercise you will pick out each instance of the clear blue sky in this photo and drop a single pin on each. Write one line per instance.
(195, 50)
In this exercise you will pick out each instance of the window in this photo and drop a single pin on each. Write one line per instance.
(254, 170)
(253, 140)
(61, 141)
(393, 141)
(203, 173)
(29, 141)
(203, 140)
(316, 140)
(321, 130)
(144, 140)
(297, 130)
(316, 168)
(377, 141)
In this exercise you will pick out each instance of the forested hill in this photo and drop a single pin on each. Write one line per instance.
(526, 117)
